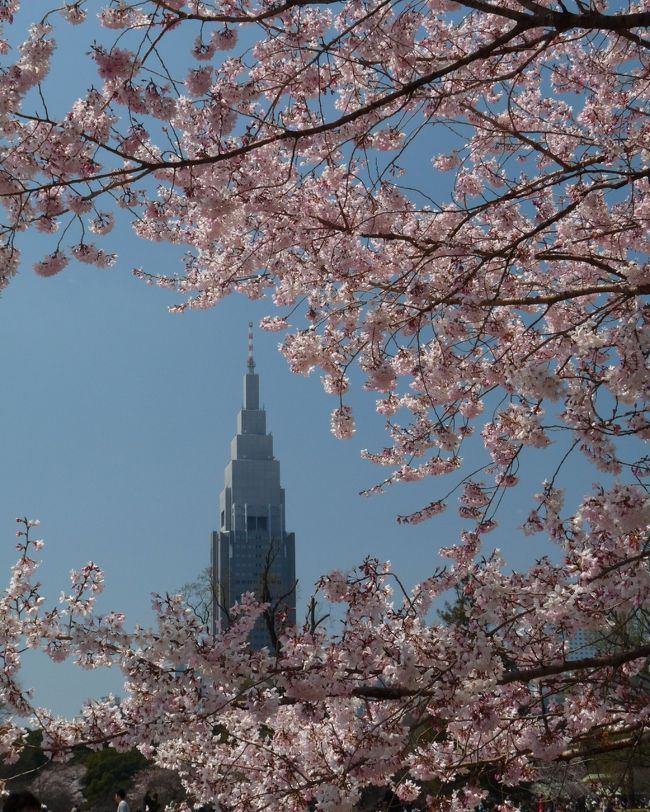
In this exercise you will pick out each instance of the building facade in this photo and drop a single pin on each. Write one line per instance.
(251, 550)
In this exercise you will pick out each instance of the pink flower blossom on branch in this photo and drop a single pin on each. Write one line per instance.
(342, 423)
(51, 265)
(296, 151)
(339, 710)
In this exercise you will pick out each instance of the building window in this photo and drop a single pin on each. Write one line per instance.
(256, 523)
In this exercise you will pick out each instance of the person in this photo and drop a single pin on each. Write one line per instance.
(150, 801)
(120, 800)
(21, 802)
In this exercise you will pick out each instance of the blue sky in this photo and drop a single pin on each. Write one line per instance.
(115, 428)
(116, 422)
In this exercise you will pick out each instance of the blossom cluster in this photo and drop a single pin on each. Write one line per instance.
(285, 176)
(454, 198)
(389, 699)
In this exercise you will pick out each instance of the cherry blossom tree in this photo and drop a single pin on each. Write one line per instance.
(395, 700)
(454, 197)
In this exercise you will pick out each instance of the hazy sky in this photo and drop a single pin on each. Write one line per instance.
(116, 420)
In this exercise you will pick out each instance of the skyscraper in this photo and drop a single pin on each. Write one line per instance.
(251, 550)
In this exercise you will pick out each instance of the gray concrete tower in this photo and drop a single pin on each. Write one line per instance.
(252, 551)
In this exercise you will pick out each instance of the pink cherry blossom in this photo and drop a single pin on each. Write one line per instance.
(51, 265)
(448, 203)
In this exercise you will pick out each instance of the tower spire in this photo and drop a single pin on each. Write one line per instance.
(251, 360)
(252, 550)
(251, 380)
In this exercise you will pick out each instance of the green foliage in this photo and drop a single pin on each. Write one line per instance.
(456, 612)
(32, 758)
(107, 771)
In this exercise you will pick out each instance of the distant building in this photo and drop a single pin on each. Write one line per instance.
(251, 550)
(583, 644)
